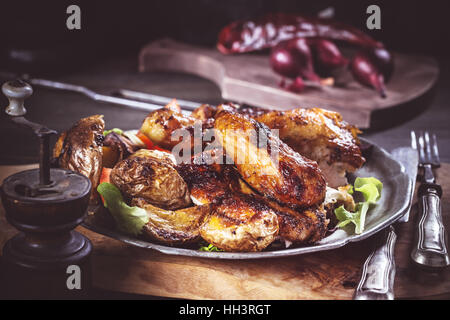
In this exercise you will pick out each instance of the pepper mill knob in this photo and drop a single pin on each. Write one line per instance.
(16, 91)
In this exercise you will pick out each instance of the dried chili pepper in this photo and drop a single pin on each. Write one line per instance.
(269, 30)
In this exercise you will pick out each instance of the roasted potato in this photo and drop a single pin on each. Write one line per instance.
(173, 227)
(80, 149)
(150, 175)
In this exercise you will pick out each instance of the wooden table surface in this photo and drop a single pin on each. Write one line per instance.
(138, 272)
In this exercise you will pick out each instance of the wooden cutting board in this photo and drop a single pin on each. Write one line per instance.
(248, 78)
(323, 275)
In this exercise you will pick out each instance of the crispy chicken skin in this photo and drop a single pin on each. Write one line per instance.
(240, 223)
(173, 227)
(80, 149)
(219, 184)
(150, 174)
(300, 226)
(284, 175)
(319, 135)
(209, 180)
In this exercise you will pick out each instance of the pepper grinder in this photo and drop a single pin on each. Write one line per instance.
(47, 258)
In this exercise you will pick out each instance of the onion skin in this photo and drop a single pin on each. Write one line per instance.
(383, 60)
(292, 59)
(285, 62)
(297, 85)
(327, 55)
(366, 73)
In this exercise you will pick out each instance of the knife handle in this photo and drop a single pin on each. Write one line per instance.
(377, 279)
(430, 244)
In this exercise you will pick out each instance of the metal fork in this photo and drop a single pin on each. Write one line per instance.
(430, 244)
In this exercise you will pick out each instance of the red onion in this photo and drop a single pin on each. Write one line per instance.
(383, 60)
(327, 55)
(366, 73)
(293, 58)
(297, 85)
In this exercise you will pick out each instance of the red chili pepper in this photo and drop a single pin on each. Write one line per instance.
(269, 30)
(105, 176)
(148, 143)
(365, 72)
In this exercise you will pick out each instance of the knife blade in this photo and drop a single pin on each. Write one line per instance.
(409, 158)
(378, 275)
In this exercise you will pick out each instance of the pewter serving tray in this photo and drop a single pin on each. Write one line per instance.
(392, 205)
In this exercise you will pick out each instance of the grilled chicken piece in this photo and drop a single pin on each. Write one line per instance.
(207, 183)
(240, 223)
(173, 227)
(283, 175)
(215, 182)
(80, 149)
(204, 112)
(150, 174)
(319, 135)
(300, 226)
(210, 178)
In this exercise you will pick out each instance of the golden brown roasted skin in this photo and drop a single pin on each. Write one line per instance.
(215, 182)
(80, 149)
(240, 223)
(319, 135)
(210, 179)
(300, 226)
(150, 175)
(159, 125)
(173, 227)
(283, 175)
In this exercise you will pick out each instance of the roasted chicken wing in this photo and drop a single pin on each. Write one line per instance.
(273, 169)
(319, 135)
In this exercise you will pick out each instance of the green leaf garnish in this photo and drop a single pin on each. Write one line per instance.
(130, 220)
(210, 248)
(115, 130)
(371, 189)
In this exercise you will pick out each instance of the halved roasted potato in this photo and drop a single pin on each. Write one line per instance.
(150, 174)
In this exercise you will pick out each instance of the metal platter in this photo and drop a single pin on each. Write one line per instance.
(392, 205)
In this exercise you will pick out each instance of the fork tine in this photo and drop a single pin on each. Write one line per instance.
(436, 159)
(421, 149)
(428, 146)
(413, 140)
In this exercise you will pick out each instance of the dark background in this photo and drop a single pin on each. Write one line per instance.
(114, 28)
(103, 56)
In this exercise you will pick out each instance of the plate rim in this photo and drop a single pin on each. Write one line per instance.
(265, 254)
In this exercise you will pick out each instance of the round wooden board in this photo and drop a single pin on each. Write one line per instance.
(323, 275)
(248, 78)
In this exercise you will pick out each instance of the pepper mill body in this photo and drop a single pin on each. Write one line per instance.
(47, 259)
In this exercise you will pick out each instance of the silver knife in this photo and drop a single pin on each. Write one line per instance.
(378, 275)
(131, 99)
